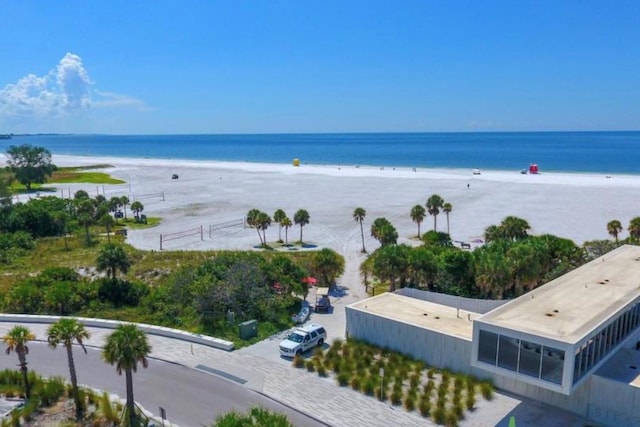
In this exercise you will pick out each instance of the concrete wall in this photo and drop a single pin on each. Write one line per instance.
(613, 403)
(112, 324)
(480, 306)
(433, 347)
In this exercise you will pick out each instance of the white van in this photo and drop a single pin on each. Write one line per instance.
(302, 339)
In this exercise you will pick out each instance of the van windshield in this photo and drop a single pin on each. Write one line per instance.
(295, 337)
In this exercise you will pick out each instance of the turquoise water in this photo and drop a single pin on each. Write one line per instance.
(600, 152)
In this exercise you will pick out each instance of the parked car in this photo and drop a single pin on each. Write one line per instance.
(302, 339)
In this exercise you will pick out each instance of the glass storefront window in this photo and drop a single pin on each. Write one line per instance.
(488, 347)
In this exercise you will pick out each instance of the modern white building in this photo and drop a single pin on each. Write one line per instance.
(566, 343)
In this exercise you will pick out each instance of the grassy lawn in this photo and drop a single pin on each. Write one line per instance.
(444, 396)
(152, 221)
(67, 175)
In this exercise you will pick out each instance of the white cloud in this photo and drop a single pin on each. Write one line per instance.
(65, 90)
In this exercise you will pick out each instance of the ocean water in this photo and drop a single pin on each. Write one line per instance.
(597, 152)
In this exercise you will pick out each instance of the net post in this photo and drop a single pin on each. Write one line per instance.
(201, 234)
(161, 242)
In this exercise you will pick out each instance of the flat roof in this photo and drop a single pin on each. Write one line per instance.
(425, 314)
(570, 307)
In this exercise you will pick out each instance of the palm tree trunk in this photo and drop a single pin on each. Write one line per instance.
(25, 374)
(418, 230)
(264, 236)
(74, 381)
(130, 402)
(108, 237)
(435, 225)
(362, 234)
(448, 225)
(300, 233)
(259, 236)
(286, 235)
(279, 233)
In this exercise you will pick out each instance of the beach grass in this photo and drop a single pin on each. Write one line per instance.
(69, 175)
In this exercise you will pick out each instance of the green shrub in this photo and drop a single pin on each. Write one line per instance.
(396, 397)
(486, 388)
(458, 409)
(446, 376)
(410, 403)
(337, 345)
(369, 385)
(356, 383)
(424, 406)
(431, 373)
(451, 419)
(414, 380)
(439, 414)
(298, 361)
(377, 392)
(428, 387)
(343, 379)
(322, 371)
(470, 401)
(310, 366)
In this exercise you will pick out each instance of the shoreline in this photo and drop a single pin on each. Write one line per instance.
(355, 171)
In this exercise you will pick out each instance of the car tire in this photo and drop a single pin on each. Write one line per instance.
(298, 352)
(320, 342)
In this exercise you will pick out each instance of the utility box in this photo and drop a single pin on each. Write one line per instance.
(248, 329)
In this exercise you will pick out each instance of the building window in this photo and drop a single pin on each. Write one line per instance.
(530, 356)
(488, 347)
(552, 364)
(508, 353)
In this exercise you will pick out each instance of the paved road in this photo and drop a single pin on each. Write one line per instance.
(191, 397)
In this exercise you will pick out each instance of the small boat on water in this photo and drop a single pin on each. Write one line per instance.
(5, 136)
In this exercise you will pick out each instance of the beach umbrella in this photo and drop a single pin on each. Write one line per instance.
(311, 281)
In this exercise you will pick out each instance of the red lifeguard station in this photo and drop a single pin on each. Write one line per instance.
(533, 168)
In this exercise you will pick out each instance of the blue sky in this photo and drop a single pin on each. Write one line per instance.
(263, 66)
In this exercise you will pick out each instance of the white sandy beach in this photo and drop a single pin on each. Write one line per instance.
(575, 206)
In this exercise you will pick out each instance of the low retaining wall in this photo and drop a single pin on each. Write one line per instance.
(112, 324)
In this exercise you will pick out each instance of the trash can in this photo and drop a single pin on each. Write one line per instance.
(248, 329)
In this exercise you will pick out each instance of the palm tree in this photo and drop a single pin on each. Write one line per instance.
(358, 216)
(286, 223)
(417, 215)
(85, 210)
(66, 331)
(137, 207)
(263, 221)
(614, 228)
(124, 201)
(16, 341)
(301, 217)
(252, 221)
(278, 216)
(107, 222)
(434, 203)
(61, 218)
(447, 208)
(125, 347)
(515, 228)
(384, 232)
(114, 205)
(634, 227)
(111, 259)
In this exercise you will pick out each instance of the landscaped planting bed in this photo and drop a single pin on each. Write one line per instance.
(442, 395)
